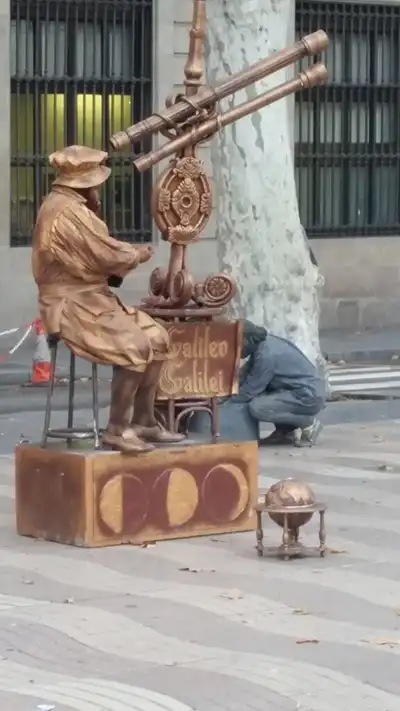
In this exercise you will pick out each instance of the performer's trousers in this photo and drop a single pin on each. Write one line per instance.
(285, 409)
(129, 389)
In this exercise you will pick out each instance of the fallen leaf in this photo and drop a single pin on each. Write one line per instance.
(69, 601)
(299, 611)
(307, 641)
(382, 642)
(27, 582)
(189, 570)
(45, 707)
(384, 468)
(336, 551)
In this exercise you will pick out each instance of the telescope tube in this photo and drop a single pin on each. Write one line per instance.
(207, 97)
(316, 74)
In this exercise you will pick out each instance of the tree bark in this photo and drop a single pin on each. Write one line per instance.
(259, 235)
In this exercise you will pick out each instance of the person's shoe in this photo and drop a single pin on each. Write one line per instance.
(278, 437)
(158, 434)
(308, 435)
(126, 441)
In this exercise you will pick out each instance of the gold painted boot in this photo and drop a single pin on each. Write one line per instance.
(120, 435)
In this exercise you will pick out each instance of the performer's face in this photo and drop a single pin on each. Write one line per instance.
(92, 196)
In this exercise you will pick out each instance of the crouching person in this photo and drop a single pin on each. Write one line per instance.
(280, 386)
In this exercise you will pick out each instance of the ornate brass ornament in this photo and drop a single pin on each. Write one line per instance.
(182, 200)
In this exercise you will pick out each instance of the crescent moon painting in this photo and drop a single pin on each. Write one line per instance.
(225, 493)
(123, 504)
(176, 496)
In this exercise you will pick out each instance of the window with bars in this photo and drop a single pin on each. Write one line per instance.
(348, 132)
(80, 70)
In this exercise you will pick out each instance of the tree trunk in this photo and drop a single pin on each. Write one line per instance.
(259, 234)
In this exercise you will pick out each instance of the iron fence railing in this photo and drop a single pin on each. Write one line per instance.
(347, 132)
(80, 70)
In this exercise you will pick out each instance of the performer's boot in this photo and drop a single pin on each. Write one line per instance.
(144, 421)
(120, 434)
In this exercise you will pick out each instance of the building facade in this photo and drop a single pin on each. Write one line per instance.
(83, 69)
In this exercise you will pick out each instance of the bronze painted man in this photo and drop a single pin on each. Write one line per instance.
(73, 259)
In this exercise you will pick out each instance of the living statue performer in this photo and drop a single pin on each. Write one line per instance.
(74, 261)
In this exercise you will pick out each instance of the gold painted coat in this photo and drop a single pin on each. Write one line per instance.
(73, 256)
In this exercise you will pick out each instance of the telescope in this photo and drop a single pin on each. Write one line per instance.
(181, 202)
(312, 76)
(202, 104)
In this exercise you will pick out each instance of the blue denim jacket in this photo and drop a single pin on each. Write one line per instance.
(277, 364)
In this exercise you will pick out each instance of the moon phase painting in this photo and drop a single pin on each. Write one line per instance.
(196, 491)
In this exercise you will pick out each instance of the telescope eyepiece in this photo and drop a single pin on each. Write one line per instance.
(316, 42)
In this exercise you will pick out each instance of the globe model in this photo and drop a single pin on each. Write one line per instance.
(290, 492)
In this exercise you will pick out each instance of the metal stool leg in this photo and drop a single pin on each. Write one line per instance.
(50, 390)
(95, 393)
(71, 396)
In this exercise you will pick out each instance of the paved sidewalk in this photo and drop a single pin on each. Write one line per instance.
(204, 624)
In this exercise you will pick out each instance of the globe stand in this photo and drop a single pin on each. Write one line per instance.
(291, 546)
(290, 504)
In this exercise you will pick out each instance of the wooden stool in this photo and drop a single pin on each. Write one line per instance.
(70, 432)
(291, 545)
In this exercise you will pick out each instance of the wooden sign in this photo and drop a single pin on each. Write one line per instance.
(204, 360)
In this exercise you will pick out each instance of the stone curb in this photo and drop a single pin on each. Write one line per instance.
(364, 357)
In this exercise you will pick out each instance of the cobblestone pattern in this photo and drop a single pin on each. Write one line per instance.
(204, 624)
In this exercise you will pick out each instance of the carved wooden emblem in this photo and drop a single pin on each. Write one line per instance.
(182, 202)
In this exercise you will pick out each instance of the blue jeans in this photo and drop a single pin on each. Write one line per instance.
(284, 409)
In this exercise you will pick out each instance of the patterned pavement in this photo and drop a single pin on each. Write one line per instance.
(204, 624)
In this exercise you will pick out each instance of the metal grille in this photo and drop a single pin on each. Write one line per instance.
(80, 70)
(348, 132)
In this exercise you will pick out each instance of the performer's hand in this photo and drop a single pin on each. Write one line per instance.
(145, 253)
